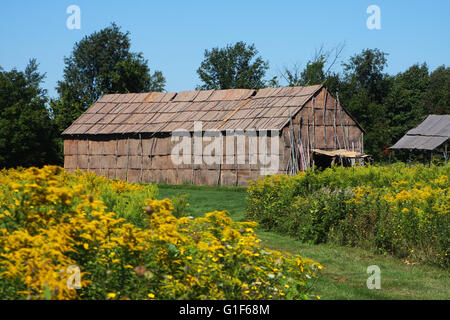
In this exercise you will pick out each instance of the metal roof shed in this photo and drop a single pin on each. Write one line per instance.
(429, 135)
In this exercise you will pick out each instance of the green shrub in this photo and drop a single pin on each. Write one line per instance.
(397, 209)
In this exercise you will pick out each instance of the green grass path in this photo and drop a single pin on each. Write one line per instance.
(344, 275)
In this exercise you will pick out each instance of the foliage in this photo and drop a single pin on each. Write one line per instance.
(438, 92)
(101, 63)
(398, 209)
(51, 220)
(406, 100)
(180, 205)
(27, 134)
(235, 66)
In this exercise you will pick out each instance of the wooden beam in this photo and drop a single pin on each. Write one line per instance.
(115, 160)
(89, 155)
(314, 124)
(77, 165)
(342, 124)
(128, 158)
(142, 157)
(309, 144)
(323, 120)
(151, 157)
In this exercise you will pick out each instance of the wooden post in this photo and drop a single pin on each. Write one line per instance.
(128, 158)
(334, 126)
(295, 149)
(220, 172)
(313, 131)
(445, 153)
(101, 157)
(235, 159)
(142, 157)
(309, 145)
(115, 160)
(301, 146)
(89, 155)
(151, 158)
(314, 124)
(362, 142)
(324, 122)
(348, 135)
(77, 165)
(192, 161)
(342, 127)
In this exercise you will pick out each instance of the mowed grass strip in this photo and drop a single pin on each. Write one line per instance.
(344, 275)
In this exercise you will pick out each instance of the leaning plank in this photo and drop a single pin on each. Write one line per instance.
(342, 124)
(313, 125)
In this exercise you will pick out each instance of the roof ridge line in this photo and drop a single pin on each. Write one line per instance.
(236, 110)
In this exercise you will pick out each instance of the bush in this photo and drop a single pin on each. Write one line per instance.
(51, 221)
(398, 209)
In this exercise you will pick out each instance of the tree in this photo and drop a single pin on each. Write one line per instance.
(314, 72)
(363, 92)
(235, 66)
(438, 92)
(27, 135)
(101, 63)
(365, 71)
(406, 101)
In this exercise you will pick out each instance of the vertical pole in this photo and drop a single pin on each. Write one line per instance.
(348, 134)
(220, 172)
(89, 155)
(115, 160)
(309, 144)
(324, 120)
(77, 166)
(342, 124)
(314, 125)
(334, 126)
(101, 156)
(362, 142)
(128, 158)
(445, 153)
(193, 157)
(142, 157)
(151, 158)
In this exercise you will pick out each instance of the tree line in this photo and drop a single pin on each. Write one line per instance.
(386, 106)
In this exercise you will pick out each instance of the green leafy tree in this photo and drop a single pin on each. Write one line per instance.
(235, 66)
(101, 63)
(317, 70)
(438, 92)
(406, 101)
(363, 91)
(27, 135)
(312, 74)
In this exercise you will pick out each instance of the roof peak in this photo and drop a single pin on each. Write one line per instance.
(209, 95)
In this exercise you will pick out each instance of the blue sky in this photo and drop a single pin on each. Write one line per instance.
(174, 34)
